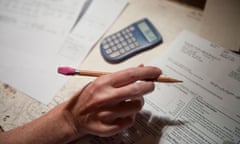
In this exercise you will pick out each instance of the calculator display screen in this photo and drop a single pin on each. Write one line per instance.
(147, 32)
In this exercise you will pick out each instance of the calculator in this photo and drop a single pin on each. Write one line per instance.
(129, 41)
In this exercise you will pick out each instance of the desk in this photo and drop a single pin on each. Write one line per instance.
(170, 18)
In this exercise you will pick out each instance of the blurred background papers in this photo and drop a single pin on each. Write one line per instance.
(35, 40)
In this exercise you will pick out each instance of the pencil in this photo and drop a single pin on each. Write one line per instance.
(73, 71)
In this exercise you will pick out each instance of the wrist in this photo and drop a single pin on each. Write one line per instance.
(64, 123)
(54, 127)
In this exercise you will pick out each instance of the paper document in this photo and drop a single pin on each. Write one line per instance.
(31, 33)
(33, 41)
(208, 101)
(93, 24)
(204, 109)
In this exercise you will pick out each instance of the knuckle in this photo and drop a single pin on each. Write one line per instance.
(94, 94)
(131, 73)
(141, 88)
(97, 84)
(147, 86)
(100, 92)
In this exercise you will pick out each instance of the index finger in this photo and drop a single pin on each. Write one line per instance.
(131, 75)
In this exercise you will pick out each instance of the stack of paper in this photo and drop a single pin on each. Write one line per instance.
(38, 36)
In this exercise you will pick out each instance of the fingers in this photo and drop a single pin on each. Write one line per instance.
(106, 130)
(122, 85)
(109, 104)
(133, 90)
(118, 118)
(112, 119)
(120, 110)
(133, 74)
(112, 95)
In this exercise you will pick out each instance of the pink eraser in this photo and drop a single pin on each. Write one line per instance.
(66, 70)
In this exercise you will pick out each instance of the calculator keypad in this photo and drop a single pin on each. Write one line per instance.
(120, 42)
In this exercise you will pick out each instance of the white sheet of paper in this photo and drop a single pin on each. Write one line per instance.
(31, 36)
(208, 101)
(98, 18)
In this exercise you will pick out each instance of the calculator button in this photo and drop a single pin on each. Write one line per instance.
(127, 30)
(127, 48)
(122, 50)
(124, 43)
(129, 41)
(105, 46)
(114, 48)
(109, 39)
(136, 43)
(130, 34)
(132, 46)
(108, 51)
(133, 39)
(111, 43)
(119, 46)
(132, 28)
(115, 54)
(116, 41)
(126, 36)
(118, 35)
(121, 39)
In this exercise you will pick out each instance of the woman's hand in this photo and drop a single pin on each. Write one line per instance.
(104, 107)
(109, 104)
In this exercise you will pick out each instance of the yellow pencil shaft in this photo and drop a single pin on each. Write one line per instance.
(97, 74)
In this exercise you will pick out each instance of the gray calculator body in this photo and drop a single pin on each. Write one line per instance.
(129, 41)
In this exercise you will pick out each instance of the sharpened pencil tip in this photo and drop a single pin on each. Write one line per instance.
(168, 80)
